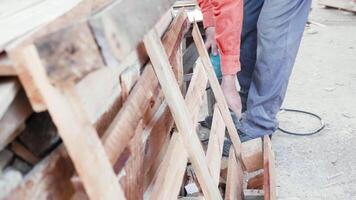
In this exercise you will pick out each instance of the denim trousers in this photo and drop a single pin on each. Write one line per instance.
(270, 39)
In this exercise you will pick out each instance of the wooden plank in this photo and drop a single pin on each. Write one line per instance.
(6, 67)
(269, 177)
(41, 13)
(73, 127)
(349, 5)
(22, 152)
(8, 91)
(256, 182)
(38, 184)
(215, 146)
(168, 177)
(14, 117)
(234, 183)
(219, 96)
(143, 93)
(252, 154)
(124, 37)
(132, 181)
(180, 113)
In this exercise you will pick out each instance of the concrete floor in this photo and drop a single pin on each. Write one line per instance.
(322, 166)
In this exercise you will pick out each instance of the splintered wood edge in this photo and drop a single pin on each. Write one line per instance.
(269, 179)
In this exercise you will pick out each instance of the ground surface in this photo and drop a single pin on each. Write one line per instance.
(323, 81)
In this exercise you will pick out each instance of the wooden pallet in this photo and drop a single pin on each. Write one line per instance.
(126, 152)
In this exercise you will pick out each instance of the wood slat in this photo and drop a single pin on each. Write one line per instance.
(13, 118)
(9, 88)
(169, 175)
(78, 135)
(215, 146)
(180, 113)
(143, 93)
(219, 96)
(269, 177)
(252, 154)
(234, 183)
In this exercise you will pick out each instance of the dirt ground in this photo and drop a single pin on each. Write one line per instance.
(322, 166)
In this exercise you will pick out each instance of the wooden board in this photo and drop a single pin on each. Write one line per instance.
(8, 91)
(269, 177)
(14, 118)
(79, 136)
(142, 95)
(215, 146)
(349, 5)
(123, 37)
(234, 183)
(252, 154)
(180, 113)
(6, 67)
(169, 175)
(219, 96)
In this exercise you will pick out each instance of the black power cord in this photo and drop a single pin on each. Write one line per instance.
(321, 127)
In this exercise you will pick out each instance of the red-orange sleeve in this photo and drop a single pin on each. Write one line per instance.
(228, 16)
(207, 11)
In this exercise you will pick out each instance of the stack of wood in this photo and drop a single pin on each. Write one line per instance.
(92, 105)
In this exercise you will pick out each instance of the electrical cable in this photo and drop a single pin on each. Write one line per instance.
(317, 130)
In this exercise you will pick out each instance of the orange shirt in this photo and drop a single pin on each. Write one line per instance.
(226, 17)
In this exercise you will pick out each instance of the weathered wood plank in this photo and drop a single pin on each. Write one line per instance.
(180, 113)
(8, 91)
(79, 136)
(22, 152)
(14, 117)
(168, 177)
(123, 37)
(215, 146)
(252, 154)
(234, 183)
(269, 177)
(219, 96)
(6, 67)
(141, 96)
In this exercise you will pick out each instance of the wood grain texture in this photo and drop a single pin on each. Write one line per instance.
(8, 91)
(219, 96)
(269, 177)
(123, 37)
(180, 113)
(252, 154)
(142, 95)
(69, 54)
(14, 118)
(73, 127)
(215, 146)
(234, 183)
(168, 177)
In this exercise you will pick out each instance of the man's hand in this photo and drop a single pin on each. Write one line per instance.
(232, 96)
(210, 42)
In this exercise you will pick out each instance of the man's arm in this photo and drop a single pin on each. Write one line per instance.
(225, 31)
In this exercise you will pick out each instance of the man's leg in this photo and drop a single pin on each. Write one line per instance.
(280, 28)
(252, 9)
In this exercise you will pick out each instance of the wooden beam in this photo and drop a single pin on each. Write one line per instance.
(6, 67)
(143, 93)
(252, 154)
(25, 154)
(132, 181)
(169, 175)
(215, 146)
(79, 136)
(8, 91)
(13, 118)
(123, 37)
(234, 183)
(219, 96)
(180, 113)
(269, 177)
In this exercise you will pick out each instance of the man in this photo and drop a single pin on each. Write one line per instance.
(270, 32)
